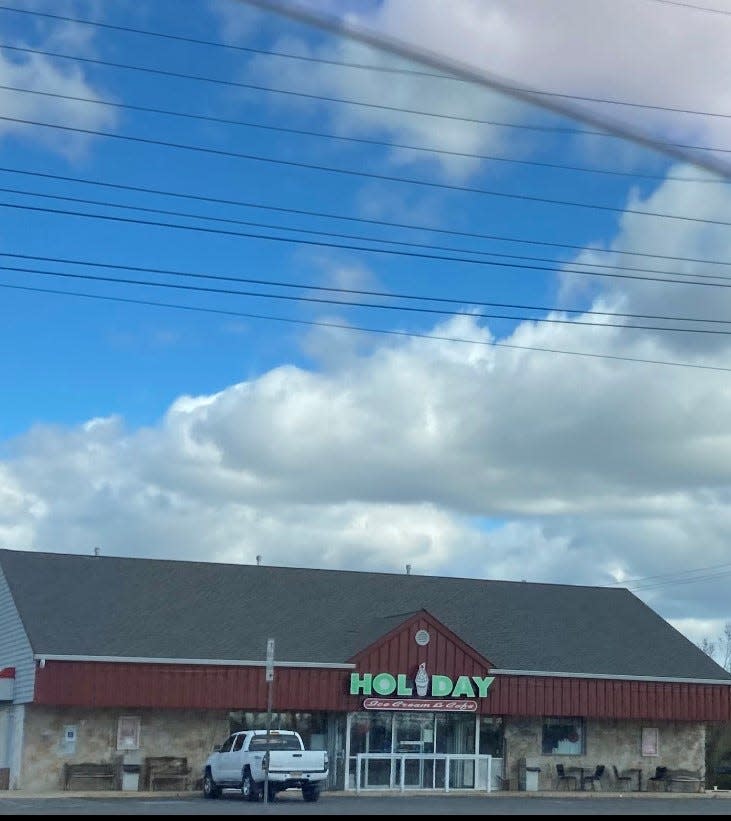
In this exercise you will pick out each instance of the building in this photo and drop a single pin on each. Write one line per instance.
(408, 681)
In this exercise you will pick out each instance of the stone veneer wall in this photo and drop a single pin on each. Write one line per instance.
(189, 733)
(192, 733)
(608, 742)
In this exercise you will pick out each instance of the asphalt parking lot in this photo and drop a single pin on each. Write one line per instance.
(439, 803)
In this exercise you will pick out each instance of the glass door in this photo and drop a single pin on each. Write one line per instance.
(414, 735)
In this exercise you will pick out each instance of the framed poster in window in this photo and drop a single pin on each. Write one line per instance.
(128, 733)
(650, 741)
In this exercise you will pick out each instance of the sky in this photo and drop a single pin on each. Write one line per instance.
(266, 291)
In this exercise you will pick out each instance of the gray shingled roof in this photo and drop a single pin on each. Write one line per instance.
(108, 606)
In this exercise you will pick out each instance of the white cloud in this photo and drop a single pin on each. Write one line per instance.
(37, 72)
(638, 52)
(591, 471)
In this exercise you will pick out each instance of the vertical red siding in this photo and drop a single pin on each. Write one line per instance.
(121, 684)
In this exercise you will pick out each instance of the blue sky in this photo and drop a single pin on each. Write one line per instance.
(580, 450)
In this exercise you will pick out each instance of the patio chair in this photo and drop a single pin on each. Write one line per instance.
(659, 780)
(564, 780)
(621, 778)
(595, 778)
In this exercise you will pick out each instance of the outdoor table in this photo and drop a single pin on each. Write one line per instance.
(580, 771)
(638, 772)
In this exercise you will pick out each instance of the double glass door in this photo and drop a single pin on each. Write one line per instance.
(424, 738)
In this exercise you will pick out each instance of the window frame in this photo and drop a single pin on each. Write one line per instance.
(578, 722)
(650, 742)
(128, 733)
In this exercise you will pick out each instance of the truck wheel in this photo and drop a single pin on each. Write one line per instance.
(310, 793)
(210, 788)
(250, 790)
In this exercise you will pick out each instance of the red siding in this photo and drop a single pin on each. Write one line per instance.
(108, 684)
(601, 698)
(121, 684)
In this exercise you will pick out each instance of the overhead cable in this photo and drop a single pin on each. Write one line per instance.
(348, 28)
(400, 225)
(359, 173)
(218, 277)
(386, 331)
(425, 149)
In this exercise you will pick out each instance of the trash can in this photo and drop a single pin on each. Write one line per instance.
(531, 779)
(527, 775)
(130, 777)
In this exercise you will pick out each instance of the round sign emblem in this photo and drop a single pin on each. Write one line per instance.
(421, 638)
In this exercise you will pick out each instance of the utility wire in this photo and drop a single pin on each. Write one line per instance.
(692, 7)
(671, 146)
(341, 246)
(392, 45)
(367, 305)
(348, 291)
(672, 575)
(362, 140)
(399, 225)
(231, 46)
(248, 86)
(358, 328)
(346, 64)
(671, 278)
(710, 577)
(358, 173)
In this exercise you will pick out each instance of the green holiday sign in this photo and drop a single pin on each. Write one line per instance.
(385, 684)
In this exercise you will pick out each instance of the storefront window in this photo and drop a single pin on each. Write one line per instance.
(563, 736)
(311, 726)
(491, 736)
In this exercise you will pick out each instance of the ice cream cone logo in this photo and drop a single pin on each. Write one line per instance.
(421, 680)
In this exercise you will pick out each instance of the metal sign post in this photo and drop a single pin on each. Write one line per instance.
(269, 678)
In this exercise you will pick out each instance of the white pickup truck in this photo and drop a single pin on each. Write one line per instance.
(243, 760)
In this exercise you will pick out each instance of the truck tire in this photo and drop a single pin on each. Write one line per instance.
(250, 789)
(210, 788)
(311, 793)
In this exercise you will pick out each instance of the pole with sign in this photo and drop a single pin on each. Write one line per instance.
(269, 678)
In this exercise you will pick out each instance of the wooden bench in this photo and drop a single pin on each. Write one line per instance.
(166, 770)
(101, 776)
(692, 778)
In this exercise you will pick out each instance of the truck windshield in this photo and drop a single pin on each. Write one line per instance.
(276, 742)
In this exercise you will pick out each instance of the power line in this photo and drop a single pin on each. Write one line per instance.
(357, 328)
(392, 45)
(710, 280)
(368, 305)
(359, 173)
(678, 150)
(321, 243)
(692, 7)
(348, 291)
(249, 86)
(231, 46)
(391, 224)
(346, 64)
(362, 140)
(710, 577)
(672, 575)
